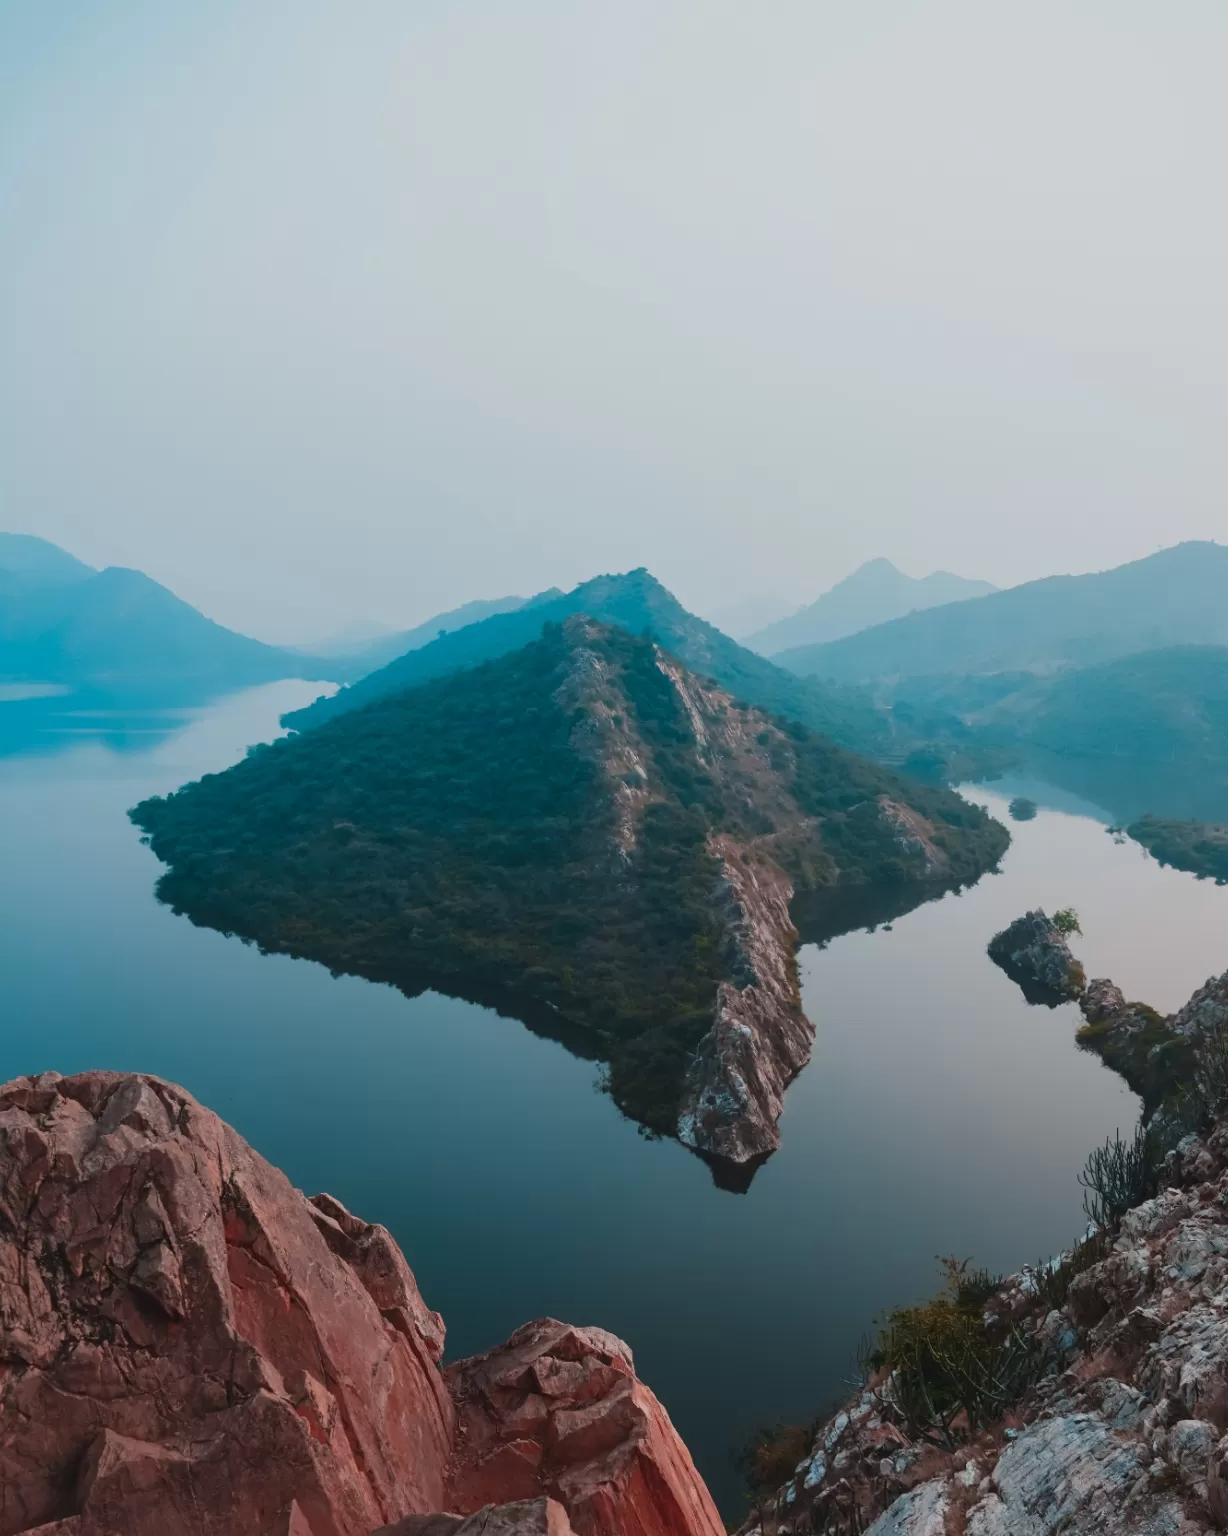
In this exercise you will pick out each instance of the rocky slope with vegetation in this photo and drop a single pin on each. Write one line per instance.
(637, 602)
(587, 834)
(1201, 847)
(191, 1347)
(1087, 1396)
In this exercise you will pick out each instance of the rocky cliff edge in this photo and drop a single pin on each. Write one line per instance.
(191, 1347)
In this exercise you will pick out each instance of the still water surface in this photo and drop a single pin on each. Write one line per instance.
(940, 1115)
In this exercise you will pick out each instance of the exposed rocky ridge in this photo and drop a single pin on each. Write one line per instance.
(1124, 1434)
(733, 1094)
(584, 832)
(190, 1347)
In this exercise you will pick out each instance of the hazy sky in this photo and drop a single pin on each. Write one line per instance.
(325, 310)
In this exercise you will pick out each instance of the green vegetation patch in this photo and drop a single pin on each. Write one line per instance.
(465, 835)
(1198, 846)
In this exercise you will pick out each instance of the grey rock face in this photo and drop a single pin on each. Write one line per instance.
(1035, 954)
(760, 1040)
(1123, 1434)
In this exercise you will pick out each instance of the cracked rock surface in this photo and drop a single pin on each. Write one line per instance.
(1125, 1433)
(191, 1347)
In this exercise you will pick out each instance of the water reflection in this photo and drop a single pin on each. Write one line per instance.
(941, 1114)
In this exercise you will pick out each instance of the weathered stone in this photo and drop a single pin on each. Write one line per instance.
(189, 1347)
(1101, 1000)
(1206, 1013)
(184, 1353)
(559, 1409)
(923, 1512)
(760, 1040)
(526, 1517)
(1067, 1474)
(1034, 952)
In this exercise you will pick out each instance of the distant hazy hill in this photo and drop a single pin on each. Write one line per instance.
(358, 660)
(1176, 597)
(580, 825)
(873, 594)
(638, 603)
(1159, 706)
(63, 622)
(36, 562)
(1146, 733)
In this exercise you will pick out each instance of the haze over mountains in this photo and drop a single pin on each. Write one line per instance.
(637, 602)
(873, 594)
(63, 622)
(360, 655)
(1176, 597)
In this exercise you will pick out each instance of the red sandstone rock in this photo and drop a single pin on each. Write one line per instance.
(526, 1517)
(182, 1350)
(559, 1409)
(190, 1347)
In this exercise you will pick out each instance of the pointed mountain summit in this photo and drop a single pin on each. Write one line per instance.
(635, 601)
(582, 832)
(1178, 596)
(876, 592)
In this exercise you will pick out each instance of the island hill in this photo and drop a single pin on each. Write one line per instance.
(582, 832)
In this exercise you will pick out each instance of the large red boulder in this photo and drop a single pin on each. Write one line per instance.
(559, 1409)
(186, 1343)
(190, 1347)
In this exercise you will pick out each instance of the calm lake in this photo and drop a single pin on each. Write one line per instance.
(940, 1115)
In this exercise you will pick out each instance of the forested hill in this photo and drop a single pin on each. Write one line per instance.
(1176, 597)
(552, 828)
(637, 602)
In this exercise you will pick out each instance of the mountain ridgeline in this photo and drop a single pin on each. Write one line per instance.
(1176, 597)
(583, 832)
(61, 621)
(636, 602)
(875, 593)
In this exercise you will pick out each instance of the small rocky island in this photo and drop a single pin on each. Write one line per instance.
(1034, 952)
(1085, 1397)
(585, 834)
(1156, 1054)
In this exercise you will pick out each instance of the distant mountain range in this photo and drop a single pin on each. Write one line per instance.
(875, 593)
(61, 621)
(360, 656)
(584, 827)
(1176, 597)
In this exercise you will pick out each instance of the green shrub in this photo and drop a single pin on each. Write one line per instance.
(771, 1454)
(1066, 921)
(949, 1375)
(1120, 1175)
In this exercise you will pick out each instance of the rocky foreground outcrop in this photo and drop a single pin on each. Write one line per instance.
(1123, 1435)
(191, 1347)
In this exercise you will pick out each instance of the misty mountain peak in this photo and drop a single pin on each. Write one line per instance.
(874, 593)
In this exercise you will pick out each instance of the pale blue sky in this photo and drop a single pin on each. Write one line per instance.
(319, 310)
